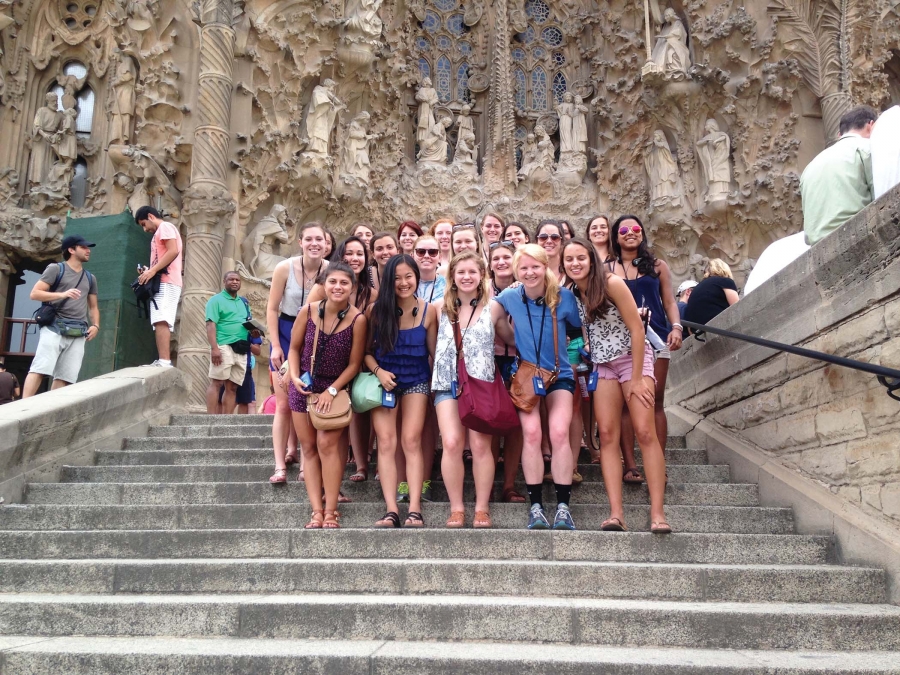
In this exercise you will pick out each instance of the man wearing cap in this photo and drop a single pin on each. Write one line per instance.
(684, 292)
(72, 290)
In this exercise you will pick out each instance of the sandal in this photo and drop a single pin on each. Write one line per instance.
(482, 520)
(635, 477)
(343, 499)
(290, 458)
(660, 527)
(360, 476)
(315, 520)
(613, 525)
(510, 496)
(577, 478)
(389, 519)
(467, 456)
(280, 476)
(300, 478)
(332, 520)
(414, 519)
(456, 520)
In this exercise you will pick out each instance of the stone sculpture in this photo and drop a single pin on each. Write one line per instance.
(66, 143)
(466, 155)
(122, 108)
(434, 148)
(566, 113)
(323, 108)
(579, 125)
(662, 170)
(529, 157)
(428, 99)
(545, 149)
(714, 151)
(363, 17)
(354, 164)
(71, 85)
(46, 124)
(259, 245)
(671, 53)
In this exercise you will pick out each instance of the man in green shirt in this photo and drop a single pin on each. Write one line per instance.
(837, 184)
(226, 314)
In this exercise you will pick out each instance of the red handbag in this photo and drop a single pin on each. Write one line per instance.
(484, 407)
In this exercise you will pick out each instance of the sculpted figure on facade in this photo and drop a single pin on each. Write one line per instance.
(434, 148)
(354, 165)
(428, 99)
(566, 113)
(529, 157)
(258, 247)
(123, 100)
(671, 53)
(714, 151)
(323, 108)
(43, 135)
(579, 125)
(466, 154)
(363, 17)
(71, 85)
(66, 145)
(662, 171)
(545, 149)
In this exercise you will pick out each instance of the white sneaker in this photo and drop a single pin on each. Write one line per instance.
(160, 364)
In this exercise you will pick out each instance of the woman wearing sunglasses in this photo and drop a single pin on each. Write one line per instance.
(550, 237)
(650, 283)
(623, 366)
(427, 253)
(516, 233)
(532, 307)
(502, 277)
(407, 234)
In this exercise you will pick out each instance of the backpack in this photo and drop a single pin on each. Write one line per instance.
(144, 293)
(45, 315)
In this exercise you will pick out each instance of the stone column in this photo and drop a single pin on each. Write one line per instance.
(208, 204)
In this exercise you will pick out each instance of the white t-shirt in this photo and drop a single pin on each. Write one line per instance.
(885, 143)
(778, 255)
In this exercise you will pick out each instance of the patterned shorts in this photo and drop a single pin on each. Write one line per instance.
(421, 388)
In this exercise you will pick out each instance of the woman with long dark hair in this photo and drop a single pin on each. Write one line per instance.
(650, 283)
(492, 228)
(401, 346)
(383, 247)
(517, 233)
(623, 366)
(597, 232)
(330, 364)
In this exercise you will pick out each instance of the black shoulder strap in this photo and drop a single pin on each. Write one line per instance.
(246, 306)
(62, 270)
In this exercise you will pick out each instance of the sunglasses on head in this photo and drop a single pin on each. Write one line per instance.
(431, 252)
(634, 228)
(552, 237)
(504, 244)
(463, 226)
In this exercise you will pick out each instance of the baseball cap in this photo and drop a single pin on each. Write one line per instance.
(74, 240)
(690, 283)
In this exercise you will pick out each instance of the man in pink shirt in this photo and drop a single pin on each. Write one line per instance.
(166, 257)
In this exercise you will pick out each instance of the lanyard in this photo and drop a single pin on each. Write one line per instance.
(540, 341)
(433, 286)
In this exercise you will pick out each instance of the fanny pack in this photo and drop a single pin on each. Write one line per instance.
(71, 328)
(241, 347)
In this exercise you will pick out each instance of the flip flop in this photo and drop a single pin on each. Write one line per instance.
(613, 525)
(636, 477)
(660, 527)
(360, 476)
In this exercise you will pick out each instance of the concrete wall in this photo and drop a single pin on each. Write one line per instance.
(41, 434)
(834, 428)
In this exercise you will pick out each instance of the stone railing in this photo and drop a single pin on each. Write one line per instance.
(833, 428)
(64, 427)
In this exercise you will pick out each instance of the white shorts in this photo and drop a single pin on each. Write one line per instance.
(233, 366)
(58, 356)
(166, 305)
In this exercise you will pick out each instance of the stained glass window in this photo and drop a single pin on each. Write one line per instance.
(521, 134)
(519, 76)
(78, 187)
(446, 5)
(528, 36)
(443, 70)
(552, 36)
(422, 44)
(432, 22)
(559, 86)
(84, 98)
(455, 24)
(462, 82)
(537, 10)
(424, 68)
(465, 49)
(443, 43)
(539, 52)
(559, 58)
(518, 54)
(538, 89)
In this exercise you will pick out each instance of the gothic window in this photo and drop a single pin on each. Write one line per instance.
(539, 53)
(443, 51)
(79, 14)
(78, 188)
(84, 98)
(521, 136)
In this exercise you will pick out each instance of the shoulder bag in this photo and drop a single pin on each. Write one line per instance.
(366, 392)
(484, 407)
(521, 390)
(45, 315)
(340, 414)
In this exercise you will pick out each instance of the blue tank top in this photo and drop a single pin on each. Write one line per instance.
(645, 290)
(409, 359)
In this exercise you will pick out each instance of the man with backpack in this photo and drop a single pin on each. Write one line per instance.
(166, 259)
(68, 317)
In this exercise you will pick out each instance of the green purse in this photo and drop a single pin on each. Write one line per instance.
(365, 392)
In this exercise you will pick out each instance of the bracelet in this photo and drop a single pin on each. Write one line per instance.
(678, 326)
(377, 368)
(93, 325)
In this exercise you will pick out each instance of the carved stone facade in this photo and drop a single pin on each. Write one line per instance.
(697, 115)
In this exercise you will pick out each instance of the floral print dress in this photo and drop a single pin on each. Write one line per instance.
(478, 350)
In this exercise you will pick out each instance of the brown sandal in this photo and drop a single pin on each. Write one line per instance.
(636, 477)
(456, 520)
(290, 458)
(315, 520)
(660, 527)
(332, 520)
(511, 496)
(280, 476)
(482, 520)
(613, 525)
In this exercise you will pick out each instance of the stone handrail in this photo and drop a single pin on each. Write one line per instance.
(64, 427)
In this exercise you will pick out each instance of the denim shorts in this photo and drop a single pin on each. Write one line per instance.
(441, 396)
(562, 384)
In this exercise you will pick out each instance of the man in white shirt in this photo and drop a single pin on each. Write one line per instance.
(885, 142)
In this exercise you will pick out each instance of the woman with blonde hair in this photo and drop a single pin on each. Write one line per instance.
(442, 231)
(465, 313)
(541, 311)
(466, 237)
(713, 295)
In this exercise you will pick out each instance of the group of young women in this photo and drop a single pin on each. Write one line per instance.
(566, 321)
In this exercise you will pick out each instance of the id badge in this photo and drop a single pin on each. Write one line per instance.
(389, 399)
(306, 380)
(593, 378)
(453, 388)
(538, 384)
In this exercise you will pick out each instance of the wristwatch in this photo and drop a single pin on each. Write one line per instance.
(332, 391)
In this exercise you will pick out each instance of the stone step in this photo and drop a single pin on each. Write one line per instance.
(724, 549)
(174, 454)
(235, 656)
(260, 492)
(167, 473)
(725, 519)
(203, 420)
(701, 583)
(585, 621)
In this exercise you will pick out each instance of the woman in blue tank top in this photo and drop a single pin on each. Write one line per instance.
(650, 282)
(401, 349)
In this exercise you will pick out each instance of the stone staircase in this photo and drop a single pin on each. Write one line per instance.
(174, 555)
